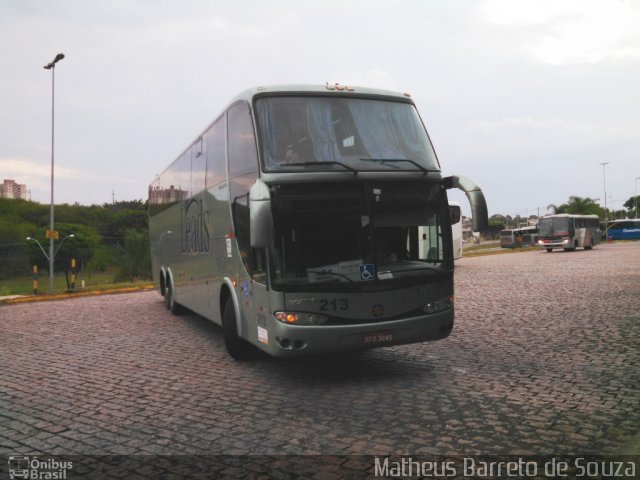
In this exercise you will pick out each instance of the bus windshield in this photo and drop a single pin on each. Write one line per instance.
(353, 134)
(553, 227)
(355, 243)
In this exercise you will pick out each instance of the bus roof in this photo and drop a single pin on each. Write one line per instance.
(619, 220)
(328, 88)
(530, 228)
(569, 215)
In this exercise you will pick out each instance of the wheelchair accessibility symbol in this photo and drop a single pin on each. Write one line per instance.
(367, 272)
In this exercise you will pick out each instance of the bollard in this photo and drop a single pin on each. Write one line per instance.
(35, 279)
(73, 274)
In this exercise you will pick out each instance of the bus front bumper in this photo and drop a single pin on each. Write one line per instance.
(562, 243)
(296, 340)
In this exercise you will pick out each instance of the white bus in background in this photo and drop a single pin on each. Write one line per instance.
(456, 228)
(455, 215)
(519, 237)
(294, 222)
(568, 232)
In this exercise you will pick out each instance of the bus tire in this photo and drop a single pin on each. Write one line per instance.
(549, 250)
(170, 301)
(589, 247)
(238, 348)
(163, 289)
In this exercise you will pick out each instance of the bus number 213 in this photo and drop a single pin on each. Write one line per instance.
(334, 305)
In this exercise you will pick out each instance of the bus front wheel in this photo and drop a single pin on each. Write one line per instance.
(238, 348)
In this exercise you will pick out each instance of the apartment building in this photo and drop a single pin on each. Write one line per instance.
(10, 189)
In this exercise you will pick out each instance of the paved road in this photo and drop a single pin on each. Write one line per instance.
(544, 358)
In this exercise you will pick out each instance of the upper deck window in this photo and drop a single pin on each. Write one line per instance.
(320, 133)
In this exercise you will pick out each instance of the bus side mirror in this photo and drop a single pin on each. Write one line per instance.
(260, 216)
(479, 213)
(454, 213)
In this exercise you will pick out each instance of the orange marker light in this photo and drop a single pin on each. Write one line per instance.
(287, 317)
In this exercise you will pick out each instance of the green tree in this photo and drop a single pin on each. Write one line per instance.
(135, 263)
(14, 259)
(580, 206)
(496, 225)
(126, 205)
(100, 235)
(118, 220)
(630, 205)
(80, 247)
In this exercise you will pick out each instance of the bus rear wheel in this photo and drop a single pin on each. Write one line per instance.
(170, 301)
(238, 348)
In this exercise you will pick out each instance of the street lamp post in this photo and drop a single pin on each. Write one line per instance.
(604, 181)
(52, 255)
(636, 197)
(52, 66)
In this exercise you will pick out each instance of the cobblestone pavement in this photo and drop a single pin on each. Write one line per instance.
(544, 359)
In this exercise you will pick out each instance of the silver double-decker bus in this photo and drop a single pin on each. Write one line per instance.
(310, 219)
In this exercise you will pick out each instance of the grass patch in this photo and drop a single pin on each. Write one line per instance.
(94, 281)
(493, 248)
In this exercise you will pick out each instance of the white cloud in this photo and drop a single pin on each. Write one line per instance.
(572, 31)
(524, 135)
(34, 170)
(37, 175)
(142, 79)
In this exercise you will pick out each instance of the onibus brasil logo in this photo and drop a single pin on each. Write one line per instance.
(33, 468)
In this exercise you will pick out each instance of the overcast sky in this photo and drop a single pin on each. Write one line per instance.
(527, 98)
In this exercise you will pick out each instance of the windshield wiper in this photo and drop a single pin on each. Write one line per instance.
(397, 160)
(302, 164)
(322, 272)
(416, 269)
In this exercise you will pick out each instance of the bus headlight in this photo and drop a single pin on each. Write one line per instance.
(301, 318)
(438, 305)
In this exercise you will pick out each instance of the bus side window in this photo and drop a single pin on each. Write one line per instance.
(215, 142)
(243, 172)
(198, 166)
(259, 265)
(243, 154)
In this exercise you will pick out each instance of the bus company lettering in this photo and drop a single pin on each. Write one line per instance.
(195, 231)
(301, 301)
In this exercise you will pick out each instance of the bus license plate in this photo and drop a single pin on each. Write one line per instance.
(377, 338)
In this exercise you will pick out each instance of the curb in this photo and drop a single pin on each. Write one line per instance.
(497, 251)
(68, 295)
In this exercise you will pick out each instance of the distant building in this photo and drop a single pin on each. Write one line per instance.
(11, 189)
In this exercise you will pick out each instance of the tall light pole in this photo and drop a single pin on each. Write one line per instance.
(636, 197)
(52, 66)
(604, 181)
